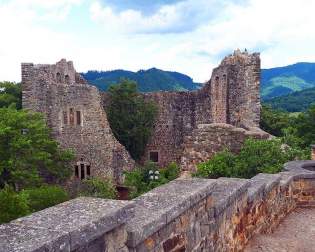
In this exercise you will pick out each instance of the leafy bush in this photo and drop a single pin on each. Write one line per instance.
(12, 205)
(96, 187)
(256, 156)
(10, 95)
(28, 153)
(45, 196)
(140, 182)
(131, 118)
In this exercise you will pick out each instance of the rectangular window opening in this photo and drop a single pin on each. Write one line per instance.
(88, 170)
(78, 117)
(77, 171)
(154, 156)
(82, 172)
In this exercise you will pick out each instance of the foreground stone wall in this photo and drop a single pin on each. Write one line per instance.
(184, 215)
(74, 112)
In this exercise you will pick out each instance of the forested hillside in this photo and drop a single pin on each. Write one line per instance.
(148, 80)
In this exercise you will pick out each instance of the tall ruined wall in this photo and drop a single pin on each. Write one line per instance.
(74, 112)
(231, 96)
(183, 215)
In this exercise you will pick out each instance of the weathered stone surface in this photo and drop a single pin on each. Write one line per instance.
(78, 221)
(74, 111)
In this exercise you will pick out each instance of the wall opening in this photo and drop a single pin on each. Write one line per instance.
(154, 156)
(67, 79)
(58, 77)
(78, 117)
(82, 170)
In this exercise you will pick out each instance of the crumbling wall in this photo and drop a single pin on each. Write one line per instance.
(208, 139)
(231, 96)
(183, 215)
(74, 111)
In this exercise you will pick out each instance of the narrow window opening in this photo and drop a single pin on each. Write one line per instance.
(67, 79)
(58, 77)
(154, 156)
(88, 170)
(77, 171)
(78, 117)
(71, 116)
(82, 171)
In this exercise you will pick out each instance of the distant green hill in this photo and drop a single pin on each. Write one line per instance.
(281, 81)
(148, 80)
(294, 102)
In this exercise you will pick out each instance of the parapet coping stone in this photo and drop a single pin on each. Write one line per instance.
(261, 185)
(163, 204)
(65, 227)
(227, 191)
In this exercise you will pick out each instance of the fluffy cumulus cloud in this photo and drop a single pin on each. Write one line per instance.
(190, 36)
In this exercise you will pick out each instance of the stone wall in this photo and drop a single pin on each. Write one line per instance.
(184, 215)
(231, 96)
(208, 139)
(74, 112)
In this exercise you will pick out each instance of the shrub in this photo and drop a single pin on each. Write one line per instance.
(220, 165)
(96, 187)
(45, 196)
(12, 205)
(255, 156)
(139, 179)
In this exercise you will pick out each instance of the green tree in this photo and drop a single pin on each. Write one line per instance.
(140, 180)
(131, 117)
(12, 205)
(274, 121)
(96, 187)
(305, 127)
(27, 151)
(10, 95)
(45, 196)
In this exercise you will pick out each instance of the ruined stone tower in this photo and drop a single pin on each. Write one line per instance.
(190, 128)
(74, 112)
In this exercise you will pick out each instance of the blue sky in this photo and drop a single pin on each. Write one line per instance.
(189, 36)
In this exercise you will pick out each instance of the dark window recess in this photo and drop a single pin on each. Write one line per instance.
(65, 117)
(88, 170)
(58, 77)
(78, 117)
(82, 172)
(67, 79)
(76, 171)
(154, 156)
(71, 116)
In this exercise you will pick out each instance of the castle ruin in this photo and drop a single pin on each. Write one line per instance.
(190, 128)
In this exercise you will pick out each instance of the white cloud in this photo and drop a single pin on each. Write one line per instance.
(183, 16)
(190, 36)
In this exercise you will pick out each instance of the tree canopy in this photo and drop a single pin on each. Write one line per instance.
(28, 153)
(131, 118)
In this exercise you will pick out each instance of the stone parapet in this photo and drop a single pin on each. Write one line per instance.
(183, 215)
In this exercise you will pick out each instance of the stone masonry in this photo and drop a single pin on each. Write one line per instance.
(75, 112)
(184, 215)
(231, 97)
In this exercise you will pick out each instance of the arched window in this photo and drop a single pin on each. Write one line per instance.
(58, 77)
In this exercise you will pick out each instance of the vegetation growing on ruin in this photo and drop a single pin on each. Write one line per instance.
(131, 118)
(141, 180)
(256, 156)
